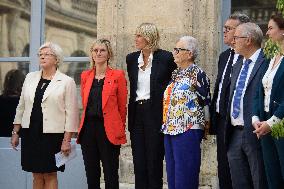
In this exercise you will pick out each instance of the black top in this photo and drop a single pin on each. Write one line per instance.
(37, 110)
(94, 107)
(8, 105)
(38, 148)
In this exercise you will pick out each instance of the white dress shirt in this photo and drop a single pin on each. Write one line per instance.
(143, 83)
(236, 56)
(267, 82)
(240, 119)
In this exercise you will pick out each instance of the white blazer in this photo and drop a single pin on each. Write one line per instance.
(59, 103)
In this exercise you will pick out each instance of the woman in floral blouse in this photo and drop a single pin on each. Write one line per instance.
(185, 116)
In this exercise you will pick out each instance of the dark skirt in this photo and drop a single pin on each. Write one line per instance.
(38, 149)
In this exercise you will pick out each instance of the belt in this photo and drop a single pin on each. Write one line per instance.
(240, 127)
(143, 101)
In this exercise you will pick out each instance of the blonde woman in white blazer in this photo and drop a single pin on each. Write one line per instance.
(46, 116)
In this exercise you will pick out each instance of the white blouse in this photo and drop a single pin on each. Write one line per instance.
(143, 83)
(267, 82)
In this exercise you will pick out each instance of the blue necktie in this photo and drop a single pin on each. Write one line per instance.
(240, 88)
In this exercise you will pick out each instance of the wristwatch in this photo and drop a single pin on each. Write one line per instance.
(14, 132)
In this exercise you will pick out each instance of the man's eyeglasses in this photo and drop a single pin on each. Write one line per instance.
(228, 28)
(45, 54)
(239, 37)
(177, 50)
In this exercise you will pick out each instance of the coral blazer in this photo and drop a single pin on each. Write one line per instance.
(114, 99)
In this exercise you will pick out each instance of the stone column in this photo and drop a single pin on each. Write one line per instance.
(118, 19)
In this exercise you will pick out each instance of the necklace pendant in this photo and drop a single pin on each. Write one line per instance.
(43, 84)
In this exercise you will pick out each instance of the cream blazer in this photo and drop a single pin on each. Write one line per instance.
(59, 103)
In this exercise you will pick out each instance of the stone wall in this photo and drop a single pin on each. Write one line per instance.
(118, 19)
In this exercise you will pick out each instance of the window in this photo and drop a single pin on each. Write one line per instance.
(258, 10)
(69, 23)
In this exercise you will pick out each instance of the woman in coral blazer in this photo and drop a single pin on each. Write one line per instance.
(102, 127)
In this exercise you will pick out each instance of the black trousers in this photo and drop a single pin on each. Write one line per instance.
(224, 174)
(95, 148)
(147, 149)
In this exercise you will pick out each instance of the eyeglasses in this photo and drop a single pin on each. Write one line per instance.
(228, 28)
(45, 54)
(240, 37)
(104, 41)
(177, 50)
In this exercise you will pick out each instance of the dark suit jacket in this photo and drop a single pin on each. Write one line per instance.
(223, 58)
(161, 71)
(276, 105)
(253, 83)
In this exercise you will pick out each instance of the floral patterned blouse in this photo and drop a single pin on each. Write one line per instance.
(186, 101)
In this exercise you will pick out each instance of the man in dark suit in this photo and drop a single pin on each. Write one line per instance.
(219, 106)
(244, 151)
(149, 71)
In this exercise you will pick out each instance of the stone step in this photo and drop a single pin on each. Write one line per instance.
(126, 167)
(126, 172)
(129, 186)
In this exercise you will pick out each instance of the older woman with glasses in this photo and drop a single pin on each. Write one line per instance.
(185, 116)
(149, 70)
(47, 115)
(102, 127)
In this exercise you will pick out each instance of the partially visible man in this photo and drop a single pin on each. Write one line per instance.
(220, 98)
(244, 151)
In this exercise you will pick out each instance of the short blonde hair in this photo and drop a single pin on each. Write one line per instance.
(105, 42)
(150, 32)
(56, 50)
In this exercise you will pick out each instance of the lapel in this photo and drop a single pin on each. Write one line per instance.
(135, 70)
(108, 84)
(33, 85)
(154, 70)
(228, 82)
(52, 85)
(256, 67)
(223, 62)
(277, 78)
(88, 85)
(235, 74)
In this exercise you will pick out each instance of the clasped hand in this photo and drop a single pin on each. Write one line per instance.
(261, 128)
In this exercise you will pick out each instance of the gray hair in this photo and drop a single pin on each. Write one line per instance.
(253, 31)
(56, 49)
(243, 18)
(191, 44)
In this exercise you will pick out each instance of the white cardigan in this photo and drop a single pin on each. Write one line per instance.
(59, 103)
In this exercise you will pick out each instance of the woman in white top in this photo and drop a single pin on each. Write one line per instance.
(269, 108)
(46, 116)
